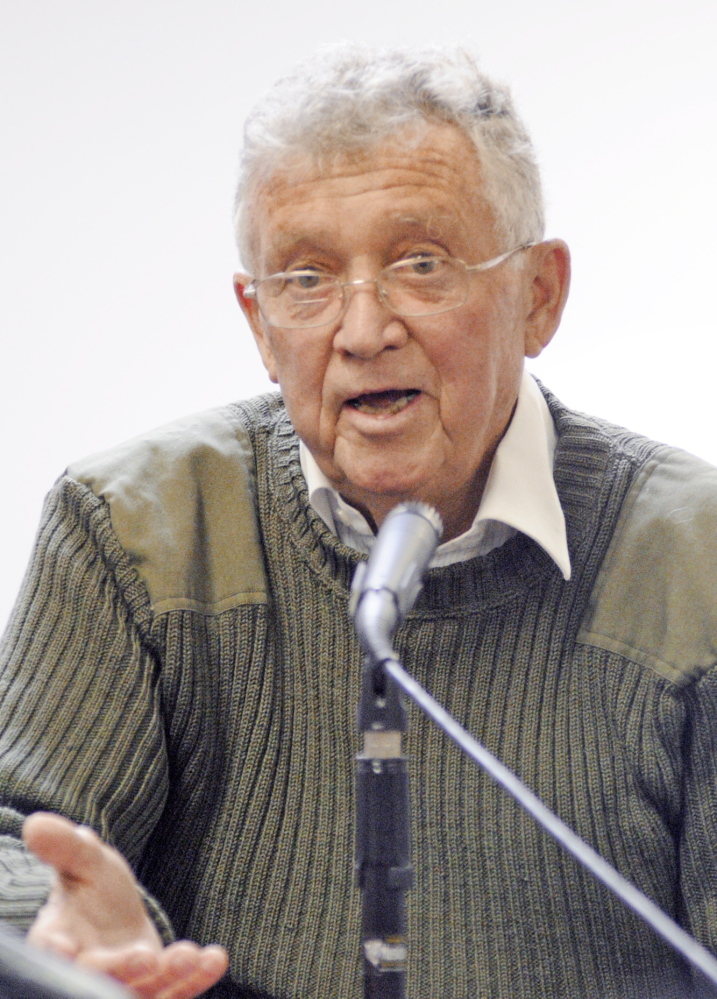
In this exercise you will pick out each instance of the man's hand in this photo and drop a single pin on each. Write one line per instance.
(95, 916)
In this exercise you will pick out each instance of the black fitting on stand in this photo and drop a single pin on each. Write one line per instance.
(383, 837)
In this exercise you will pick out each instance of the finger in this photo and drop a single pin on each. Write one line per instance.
(172, 966)
(74, 851)
(213, 964)
(127, 964)
(185, 971)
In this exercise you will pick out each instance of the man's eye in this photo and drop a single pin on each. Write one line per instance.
(420, 265)
(306, 280)
(424, 265)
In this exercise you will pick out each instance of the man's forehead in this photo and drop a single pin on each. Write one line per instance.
(436, 153)
(431, 224)
(425, 188)
(340, 232)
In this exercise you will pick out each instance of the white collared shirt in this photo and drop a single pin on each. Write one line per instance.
(519, 495)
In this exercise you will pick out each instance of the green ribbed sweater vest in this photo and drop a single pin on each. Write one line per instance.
(180, 673)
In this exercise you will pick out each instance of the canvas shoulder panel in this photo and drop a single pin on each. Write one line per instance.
(181, 503)
(655, 599)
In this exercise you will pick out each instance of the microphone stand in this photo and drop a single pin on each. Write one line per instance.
(382, 592)
(403, 549)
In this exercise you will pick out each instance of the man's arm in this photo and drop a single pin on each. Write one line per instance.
(698, 821)
(82, 734)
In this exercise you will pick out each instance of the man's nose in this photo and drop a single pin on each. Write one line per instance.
(367, 325)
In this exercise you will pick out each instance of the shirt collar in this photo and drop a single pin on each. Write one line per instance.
(519, 495)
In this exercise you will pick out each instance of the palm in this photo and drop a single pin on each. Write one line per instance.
(95, 915)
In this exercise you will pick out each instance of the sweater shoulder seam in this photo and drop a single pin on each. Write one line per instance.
(182, 504)
(654, 601)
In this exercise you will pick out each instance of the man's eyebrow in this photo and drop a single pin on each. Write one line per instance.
(429, 225)
(290, 242)
(432, 223)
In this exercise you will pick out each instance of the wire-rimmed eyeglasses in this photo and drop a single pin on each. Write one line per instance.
(417, 286)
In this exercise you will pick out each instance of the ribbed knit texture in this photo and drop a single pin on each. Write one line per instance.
(218, 752)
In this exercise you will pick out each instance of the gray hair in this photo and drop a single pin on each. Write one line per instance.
(350, 98)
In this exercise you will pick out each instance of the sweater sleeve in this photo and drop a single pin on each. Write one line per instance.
(81, 729)
(698, 826)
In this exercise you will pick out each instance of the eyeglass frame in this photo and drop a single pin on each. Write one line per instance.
(250, 290)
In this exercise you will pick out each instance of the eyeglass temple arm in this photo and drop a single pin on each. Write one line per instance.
(489, 264)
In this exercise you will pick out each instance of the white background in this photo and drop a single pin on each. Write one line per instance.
(120, 125)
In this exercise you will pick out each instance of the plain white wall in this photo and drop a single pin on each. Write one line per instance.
(121, 125)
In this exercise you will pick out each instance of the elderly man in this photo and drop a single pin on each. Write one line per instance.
(180, 673)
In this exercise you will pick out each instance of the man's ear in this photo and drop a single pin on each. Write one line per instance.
(549, 268)
(250, 309)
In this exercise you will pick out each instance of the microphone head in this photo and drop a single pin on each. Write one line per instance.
(385, 588)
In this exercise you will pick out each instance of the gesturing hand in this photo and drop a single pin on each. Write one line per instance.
(95, 916)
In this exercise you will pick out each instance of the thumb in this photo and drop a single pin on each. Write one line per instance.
(74, 851)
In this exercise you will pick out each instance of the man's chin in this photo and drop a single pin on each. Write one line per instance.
(378, 476)
(380, 491)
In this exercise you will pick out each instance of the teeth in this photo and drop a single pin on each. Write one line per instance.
(378, 403)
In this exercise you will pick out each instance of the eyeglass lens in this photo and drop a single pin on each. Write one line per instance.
(414, 287)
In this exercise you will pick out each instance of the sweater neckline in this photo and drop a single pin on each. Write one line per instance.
(587, 450)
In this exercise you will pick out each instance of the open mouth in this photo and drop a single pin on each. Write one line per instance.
(381, 403)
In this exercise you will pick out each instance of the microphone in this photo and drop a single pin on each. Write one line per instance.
(382, 592)
(29, 973)
(385, 588)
